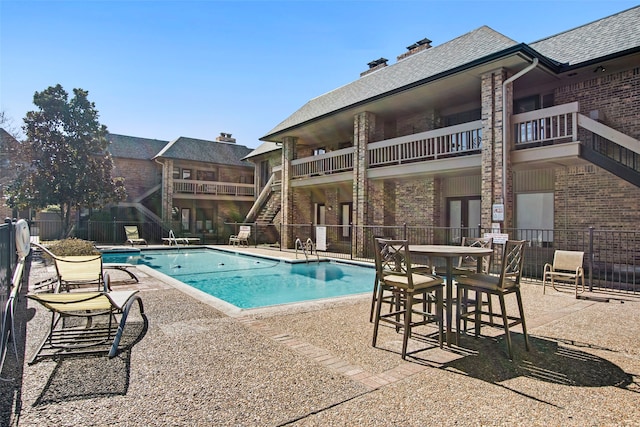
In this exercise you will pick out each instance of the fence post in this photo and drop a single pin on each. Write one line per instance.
(114, 229)
(8, 262)
(590, 258)
(89, 230)
(404, 231)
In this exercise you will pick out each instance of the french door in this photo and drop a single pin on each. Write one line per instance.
(463, 217)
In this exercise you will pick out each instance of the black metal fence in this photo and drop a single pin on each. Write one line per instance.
(8, 258)
(612, 257)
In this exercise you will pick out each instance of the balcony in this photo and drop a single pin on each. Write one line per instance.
(448, 149)
(188, 188)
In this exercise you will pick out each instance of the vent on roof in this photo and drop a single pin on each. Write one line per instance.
(225, 137)
(375, 65)
(418, 46)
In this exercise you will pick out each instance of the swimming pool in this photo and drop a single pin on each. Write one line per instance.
(250, 282)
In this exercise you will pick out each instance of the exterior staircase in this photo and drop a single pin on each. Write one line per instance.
(270, 209)
(611, 150)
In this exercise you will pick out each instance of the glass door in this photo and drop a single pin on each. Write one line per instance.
(463, 218)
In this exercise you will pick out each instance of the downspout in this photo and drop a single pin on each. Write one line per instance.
(505, 134)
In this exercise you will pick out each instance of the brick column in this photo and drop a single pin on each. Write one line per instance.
(167, 190)
(493, 145)
(288, 154)
(364, 125)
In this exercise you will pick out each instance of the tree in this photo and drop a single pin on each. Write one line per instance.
(70, 166)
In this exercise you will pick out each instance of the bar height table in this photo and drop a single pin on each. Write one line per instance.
(449, 253)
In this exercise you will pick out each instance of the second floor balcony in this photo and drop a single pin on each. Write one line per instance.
(189, 188)
(553, 130)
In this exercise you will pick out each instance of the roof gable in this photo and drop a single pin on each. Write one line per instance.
(205, 151)
(132, 147)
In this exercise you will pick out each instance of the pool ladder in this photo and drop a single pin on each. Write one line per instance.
(306, 248)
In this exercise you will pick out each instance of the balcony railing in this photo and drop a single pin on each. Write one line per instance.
(322, 164)
(431, 145)
(547, 125)
(216, 188)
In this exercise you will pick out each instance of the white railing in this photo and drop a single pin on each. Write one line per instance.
(429, 145)
(321, 164)
(212, 188)
(547, 124)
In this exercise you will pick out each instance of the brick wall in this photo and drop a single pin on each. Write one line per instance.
(140, 175)
(588, 195)
(617, 95)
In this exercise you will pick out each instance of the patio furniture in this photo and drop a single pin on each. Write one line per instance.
(63, 339)
(414, 294)
(567, 268)
(468, 264)
(173, 240)
(507, 283)
(75, 270)
(450, 253)
(242, 238)
(133, 236)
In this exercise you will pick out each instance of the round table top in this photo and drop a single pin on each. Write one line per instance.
(450, 250)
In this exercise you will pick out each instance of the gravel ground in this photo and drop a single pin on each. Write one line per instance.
(314, 366)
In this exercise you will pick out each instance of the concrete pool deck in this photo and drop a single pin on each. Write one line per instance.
(313, 365)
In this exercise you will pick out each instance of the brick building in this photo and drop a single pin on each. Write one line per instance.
(191, 185)
(476, 131)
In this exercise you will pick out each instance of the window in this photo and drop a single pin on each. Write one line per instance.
(176, 173)
(534, 217)
(319, 216)
(346, 210)
(320, 150)
(186, 173)
(184, 218)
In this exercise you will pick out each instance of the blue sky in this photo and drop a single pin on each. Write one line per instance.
(164, 69)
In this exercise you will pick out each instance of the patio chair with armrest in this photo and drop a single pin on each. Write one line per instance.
(566, 268)
(133, 237)
(469, 264)
(76, 270)
(90, 337)
(393, 266)
(242, 238)
(507, 283)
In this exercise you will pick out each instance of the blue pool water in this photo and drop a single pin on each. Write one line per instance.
(250, 282)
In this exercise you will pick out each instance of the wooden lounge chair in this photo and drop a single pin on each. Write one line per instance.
(90, 337)
(567, 268)
(133, 236)
(242, 238)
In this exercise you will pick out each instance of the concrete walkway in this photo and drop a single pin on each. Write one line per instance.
(313, 365)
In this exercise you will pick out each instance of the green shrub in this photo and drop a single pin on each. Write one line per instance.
(71, 247)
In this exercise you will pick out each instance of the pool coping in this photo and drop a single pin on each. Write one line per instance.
(234, 311)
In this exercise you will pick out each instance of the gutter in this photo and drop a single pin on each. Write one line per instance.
(505, 135)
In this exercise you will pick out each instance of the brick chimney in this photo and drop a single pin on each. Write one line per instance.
(375, 65)
(418, 46)
(225, 137)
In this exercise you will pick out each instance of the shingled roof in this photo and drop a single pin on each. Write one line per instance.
(598, 39)
(206, 151)
(477, 44)
(132, 147)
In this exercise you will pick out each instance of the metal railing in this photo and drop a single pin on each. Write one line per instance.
(612, 257)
